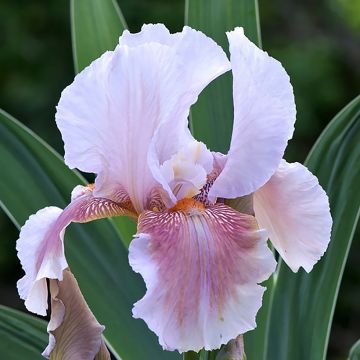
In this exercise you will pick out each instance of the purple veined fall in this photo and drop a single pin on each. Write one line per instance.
(125, 118)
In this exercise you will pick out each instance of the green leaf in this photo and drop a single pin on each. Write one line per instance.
(355, 351)
(191, 355)
(126, 227)
(303, 304)
(35, 177)
(201, 355)
(95, 27)
(21, 336)
(212, 115)
(255, 340)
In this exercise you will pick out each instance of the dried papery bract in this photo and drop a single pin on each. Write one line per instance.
(74, 331)
(233, 350)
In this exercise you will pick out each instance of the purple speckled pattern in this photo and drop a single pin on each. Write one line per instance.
(83, 209)
(41, 249)
(212, 245)
(194, 263)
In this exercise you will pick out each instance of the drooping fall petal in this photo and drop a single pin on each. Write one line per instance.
(32, 248)
(109, 115)
(201, 268)
(264, 117)
(73, 330)
(294, 209)
(41, 249)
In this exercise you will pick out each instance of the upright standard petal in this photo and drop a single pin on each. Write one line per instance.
(40, 245)
(205, 59)
(74, 332)
(110, 113)
(264, 117)
(294, 209)
(201, 268)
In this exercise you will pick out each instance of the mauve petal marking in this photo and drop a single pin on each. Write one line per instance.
(200, 265)
(187, 212)
(40, 245)
(83, 209)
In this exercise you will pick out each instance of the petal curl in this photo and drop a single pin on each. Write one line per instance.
(31, 288)
(201, 268)
(41, 249)
(264, 117)
(186, 171)
(294, 209)
(74, 332)
(110, 113)
(205, 59)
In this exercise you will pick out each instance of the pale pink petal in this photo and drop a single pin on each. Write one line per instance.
(186, 172)
(74, 332)
(264, 117)
(166, 142)
(33, 289)
(110, 113)
(294, 209)
(41, 249)
(80, 190)
(201, 268)
(219, 161)
(205, 59)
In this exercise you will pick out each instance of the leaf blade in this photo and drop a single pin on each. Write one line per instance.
(355, 351)
(95, 28)
(21, 336)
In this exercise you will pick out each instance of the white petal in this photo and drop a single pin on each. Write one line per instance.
(33, 289)
(264, 116)
(186, 171)
(201, 268)
(204, 58)
(80, 190)
(41, 249)
(294, 209)
(110, 113)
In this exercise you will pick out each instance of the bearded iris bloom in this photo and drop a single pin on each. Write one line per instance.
(125, 118)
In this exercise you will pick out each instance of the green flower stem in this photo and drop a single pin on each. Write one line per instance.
(202, 355)
(191, 355)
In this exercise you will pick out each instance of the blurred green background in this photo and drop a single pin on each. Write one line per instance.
(318, 43)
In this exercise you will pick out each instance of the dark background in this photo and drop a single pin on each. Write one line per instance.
(317, 41)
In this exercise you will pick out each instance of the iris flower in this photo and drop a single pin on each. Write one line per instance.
(125, 118)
